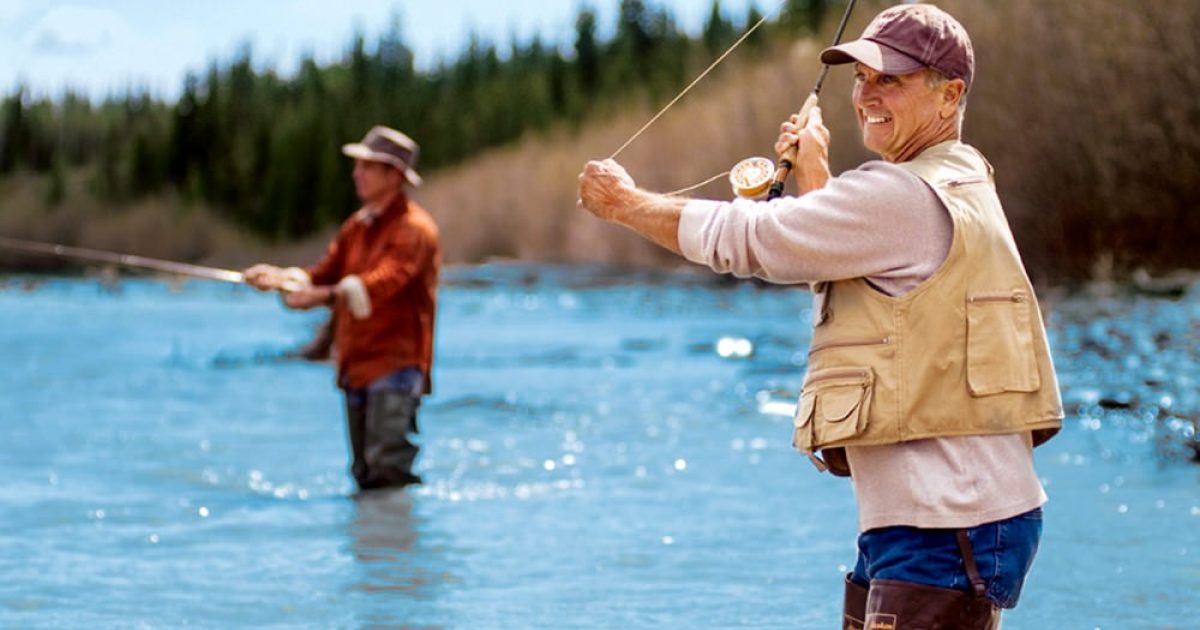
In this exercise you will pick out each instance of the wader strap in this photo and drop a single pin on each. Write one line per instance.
(964, 547)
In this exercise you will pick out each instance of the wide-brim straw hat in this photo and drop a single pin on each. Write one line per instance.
(388, 146)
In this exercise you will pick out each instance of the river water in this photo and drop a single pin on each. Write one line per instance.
(604, 448)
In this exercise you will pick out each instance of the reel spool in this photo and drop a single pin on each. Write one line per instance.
(751, 177)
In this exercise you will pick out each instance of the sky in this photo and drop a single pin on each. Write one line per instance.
(102, 47)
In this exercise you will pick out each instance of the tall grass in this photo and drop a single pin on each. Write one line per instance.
(1088, 110)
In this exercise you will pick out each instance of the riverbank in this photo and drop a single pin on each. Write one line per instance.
(165, 227)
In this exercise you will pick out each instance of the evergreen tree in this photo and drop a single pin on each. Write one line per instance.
(718, 32)
(14, 135)
(587, 52)
(56, 185)
(753, 16)
(265, 148)
(804, 15)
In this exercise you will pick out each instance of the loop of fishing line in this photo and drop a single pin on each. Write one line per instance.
(699, 78)
(754, 176)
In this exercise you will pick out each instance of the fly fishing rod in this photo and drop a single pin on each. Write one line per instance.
(126, 260)
(752, 176)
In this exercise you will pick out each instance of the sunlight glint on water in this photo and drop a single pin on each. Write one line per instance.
(603, 448)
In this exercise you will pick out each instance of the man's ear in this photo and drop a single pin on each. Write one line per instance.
(398, 178)
(952, 94)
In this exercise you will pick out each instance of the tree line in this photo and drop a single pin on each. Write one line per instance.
(265, 148)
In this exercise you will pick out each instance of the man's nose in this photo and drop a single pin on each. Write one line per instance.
(864, 95)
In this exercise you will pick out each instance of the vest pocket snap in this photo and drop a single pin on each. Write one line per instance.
(1000, 351)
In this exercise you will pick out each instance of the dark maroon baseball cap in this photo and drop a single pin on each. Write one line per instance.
(907, 38)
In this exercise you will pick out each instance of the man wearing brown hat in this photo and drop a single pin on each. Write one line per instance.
(379, 275)
(929, 377)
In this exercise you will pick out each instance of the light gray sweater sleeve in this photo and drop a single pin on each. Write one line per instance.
(878, 222)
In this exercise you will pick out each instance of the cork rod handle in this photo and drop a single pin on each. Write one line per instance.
(788, 160)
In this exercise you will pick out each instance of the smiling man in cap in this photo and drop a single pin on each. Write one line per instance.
(379, 275)
(929, 377)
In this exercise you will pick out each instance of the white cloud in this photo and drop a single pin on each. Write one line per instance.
(78, 30)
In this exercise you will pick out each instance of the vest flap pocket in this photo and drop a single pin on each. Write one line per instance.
(1000, 348)
(802, 434)
(804, 409)
(838, 402)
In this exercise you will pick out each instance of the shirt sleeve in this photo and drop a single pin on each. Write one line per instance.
(878, 221)
(328, 270)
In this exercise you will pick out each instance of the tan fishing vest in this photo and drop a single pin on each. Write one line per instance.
(963, 353)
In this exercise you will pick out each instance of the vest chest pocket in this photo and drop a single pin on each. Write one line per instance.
(833, 407)
(1000, 351)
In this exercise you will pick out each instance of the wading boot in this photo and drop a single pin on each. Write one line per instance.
(894, 605)
(389, 454)
(356, 425)
(854, 605)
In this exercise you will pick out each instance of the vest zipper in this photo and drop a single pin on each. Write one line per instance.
(847, 343)
(967, 181)
(991, 298)
(843, 373)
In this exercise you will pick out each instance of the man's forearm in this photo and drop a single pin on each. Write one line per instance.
(311, 297)
(652, 215)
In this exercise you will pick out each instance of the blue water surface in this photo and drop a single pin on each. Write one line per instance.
(604, 448)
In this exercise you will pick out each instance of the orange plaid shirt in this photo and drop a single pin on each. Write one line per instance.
(396, 254)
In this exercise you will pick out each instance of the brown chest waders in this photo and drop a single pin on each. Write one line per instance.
(895, 605)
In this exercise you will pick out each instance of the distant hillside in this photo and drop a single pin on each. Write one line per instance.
(263, 149)
(1087, 111)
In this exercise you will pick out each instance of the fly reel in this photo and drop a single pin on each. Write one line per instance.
(751, 177)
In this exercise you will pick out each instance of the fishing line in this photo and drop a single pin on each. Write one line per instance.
(753, 176)
(787, 160)
(695, 186)
(697, 80)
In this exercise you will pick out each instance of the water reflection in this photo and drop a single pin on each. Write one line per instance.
(394, 569)
(382, 539)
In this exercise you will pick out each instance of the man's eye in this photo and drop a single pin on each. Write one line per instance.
(887, 78)
(860, 77)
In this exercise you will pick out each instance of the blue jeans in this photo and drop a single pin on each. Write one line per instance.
(1003, 550)
(408, 381)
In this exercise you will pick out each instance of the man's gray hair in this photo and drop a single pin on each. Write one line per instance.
(935, 79)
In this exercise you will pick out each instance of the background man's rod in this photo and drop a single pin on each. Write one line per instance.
(127, 260)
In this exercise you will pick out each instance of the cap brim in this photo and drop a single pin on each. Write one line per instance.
(878, 57)
(361, 151)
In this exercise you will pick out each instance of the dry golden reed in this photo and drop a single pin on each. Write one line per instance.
(1088, 110)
